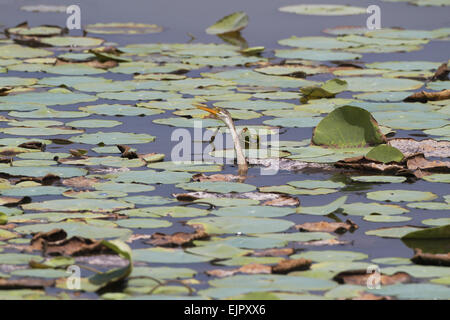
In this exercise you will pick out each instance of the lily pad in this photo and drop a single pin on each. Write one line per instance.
(245, 225)
(122, 28)
(401, 195)
(323, 9)
(323, 210)
(348, 127)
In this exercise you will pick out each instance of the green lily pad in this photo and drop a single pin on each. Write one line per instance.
(72, 41)
(323, 210)
(375, 84)
(122, 28)
(401, 195)
(143, 223)
(253, 211)
(16, 51)
(186, 166)
(119, 110)
(232, 225)
(394, 232)
(113, 138)
(72, 205)
(313, 184)
(385, 218)
(316, 55)
(49, 98)
(152, 177)
(379, 179)
(330, 255)
(385, 154)
(18, 258)
(77, 229)
(417, 291)
(348, 127)
(429, 205)
(62, 172)
(323, 9)
(438, 177)
(165, 255)
(363, 209)
(437, 222)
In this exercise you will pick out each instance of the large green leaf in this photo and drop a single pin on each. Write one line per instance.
(348, 127)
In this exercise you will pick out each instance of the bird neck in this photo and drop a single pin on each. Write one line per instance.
(242, 162)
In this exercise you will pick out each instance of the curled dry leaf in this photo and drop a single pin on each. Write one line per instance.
(360, 277)
(13, 202)
(418, 162)
(362, 163)
(288, 265)
(127, 152)
(283, 267)
(46, 180)
(177, 239)
(424, 96)
(324, 226)
(35, 145)
(260, 196)
(55, 242)
(282, 201)
(441, 73)
(215, 177)
(437, 259)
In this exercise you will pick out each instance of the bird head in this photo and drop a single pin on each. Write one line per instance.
(217, 112)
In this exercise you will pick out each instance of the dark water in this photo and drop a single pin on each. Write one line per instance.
(267, 25)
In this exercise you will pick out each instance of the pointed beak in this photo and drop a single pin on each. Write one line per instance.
(205, 108)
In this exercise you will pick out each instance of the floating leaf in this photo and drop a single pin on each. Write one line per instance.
(385, 153)
(122, 28)
(348, 127)
(323, 210)
(231, 23)
(323, 9)
(401, 195)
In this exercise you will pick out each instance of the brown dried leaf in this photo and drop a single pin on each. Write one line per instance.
(12, 201)
(55, 242)
(424, 96)
(283, 200)
(437, 259)
(441, 73)
(255, 268)
(35, 145)
(215, 177)
(177, 239)
(127, 152)
(288, 265)
(274, 252)
(418, 162)
(359, 277)
(80, 182)
(324, 226)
